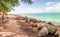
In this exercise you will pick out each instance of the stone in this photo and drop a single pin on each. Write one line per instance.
(6, 33)
(43, 32)
(33, 24)
(52, 29)
(50, 23)
(1, 28)
(41, 25)
(35, 29)
(58, 32)
(33, 20)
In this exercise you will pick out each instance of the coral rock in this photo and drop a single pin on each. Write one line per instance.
(58, 32)
(51, 29)
(43, 32)
(1, 28)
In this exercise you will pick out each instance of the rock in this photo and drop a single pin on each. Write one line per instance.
(52, 29)
(6, 33)
(35, 29)
(38, 21)
(1, 28)
(24, 18)
(50, 23)
(33, 20)
(21, 36)
(41, 25)
(21, 21)
(43, 32)
(33, 24)
(18, 18)
(58, 32)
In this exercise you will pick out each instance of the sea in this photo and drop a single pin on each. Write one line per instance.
(54, 18)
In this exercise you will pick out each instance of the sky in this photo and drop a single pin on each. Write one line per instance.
(38, 6)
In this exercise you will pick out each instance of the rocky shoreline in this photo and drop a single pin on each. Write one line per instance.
(28, 27)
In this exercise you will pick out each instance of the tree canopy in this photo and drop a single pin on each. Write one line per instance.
(7, 5)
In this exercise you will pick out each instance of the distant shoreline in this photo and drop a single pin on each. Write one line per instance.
(29, 16)
(49, 17)
(53, 22)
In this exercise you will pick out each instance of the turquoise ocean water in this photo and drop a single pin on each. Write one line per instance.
(48, 17)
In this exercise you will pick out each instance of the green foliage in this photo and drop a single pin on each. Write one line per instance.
(27, 1)
(7, 5)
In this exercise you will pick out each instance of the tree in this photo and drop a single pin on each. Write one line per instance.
(7, 5)
(27, 1)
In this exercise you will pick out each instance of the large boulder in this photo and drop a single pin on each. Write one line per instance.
(43, 32)
(41, 24)
(33, 24)
(52, 29)
(58, 32)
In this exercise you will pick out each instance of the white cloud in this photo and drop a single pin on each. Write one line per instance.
(49, 3)
(50, 7)
(55, 7)
(28, 10)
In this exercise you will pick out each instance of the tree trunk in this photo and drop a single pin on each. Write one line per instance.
(3, 16)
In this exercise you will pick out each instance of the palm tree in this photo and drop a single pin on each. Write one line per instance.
(7, 5)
